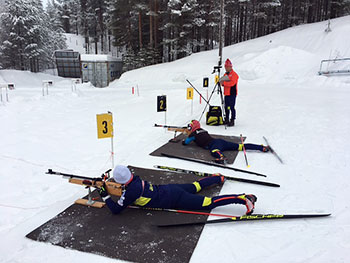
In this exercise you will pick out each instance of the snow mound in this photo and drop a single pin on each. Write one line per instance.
(27, 79)
(278, 63)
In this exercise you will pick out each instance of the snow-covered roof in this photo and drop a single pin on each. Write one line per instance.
(95, 58)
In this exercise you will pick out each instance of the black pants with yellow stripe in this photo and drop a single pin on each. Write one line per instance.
(217, 146)
(184, 195)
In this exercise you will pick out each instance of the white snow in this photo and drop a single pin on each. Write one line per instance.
(95, 58)
(304, 116)
(75, 42)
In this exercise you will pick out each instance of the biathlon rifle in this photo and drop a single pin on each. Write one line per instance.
(175, 129)
(112, 188)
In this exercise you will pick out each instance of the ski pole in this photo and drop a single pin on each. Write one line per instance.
(197, 92)
(245, 154)
(180, 211)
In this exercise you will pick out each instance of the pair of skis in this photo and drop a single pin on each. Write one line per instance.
(181, 170)
(245, 218)
(227, 218)
(221, 165)
(268, 145)
(272, 150)
(211, 163)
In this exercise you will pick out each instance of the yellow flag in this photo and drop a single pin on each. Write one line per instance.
(190, 93)
(216, 79)
(104, 125)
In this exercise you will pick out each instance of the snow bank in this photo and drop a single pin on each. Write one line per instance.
(279, 63)
(27, 79)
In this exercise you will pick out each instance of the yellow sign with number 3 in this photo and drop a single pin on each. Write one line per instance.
(104, 125)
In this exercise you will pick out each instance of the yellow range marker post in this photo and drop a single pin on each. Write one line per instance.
(105, 129)
(104, 125)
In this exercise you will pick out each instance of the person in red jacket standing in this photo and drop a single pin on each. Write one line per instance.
(230, 92)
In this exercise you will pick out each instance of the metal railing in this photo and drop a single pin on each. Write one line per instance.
(328, 71)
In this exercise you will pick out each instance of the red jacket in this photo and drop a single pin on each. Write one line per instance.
(229, 84)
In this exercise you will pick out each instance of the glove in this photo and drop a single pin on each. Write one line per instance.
(102, 191)
(183, 142)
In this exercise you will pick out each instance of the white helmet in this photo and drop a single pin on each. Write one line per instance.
(122, 174)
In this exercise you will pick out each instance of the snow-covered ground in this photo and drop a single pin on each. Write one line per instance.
(305, 117)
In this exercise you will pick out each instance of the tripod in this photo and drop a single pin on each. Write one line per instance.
(218, 87)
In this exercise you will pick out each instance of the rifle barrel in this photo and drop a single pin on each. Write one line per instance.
(168, 126)
(64, 175)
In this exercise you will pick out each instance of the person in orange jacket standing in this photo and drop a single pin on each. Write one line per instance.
(230, 92)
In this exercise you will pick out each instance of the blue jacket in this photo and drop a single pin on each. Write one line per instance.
(142, 193)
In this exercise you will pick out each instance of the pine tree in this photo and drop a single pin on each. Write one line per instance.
(212, 19)
(129, 60)
(65, 14)
(54, 17)
(25, 35)
(20, 25)
(11, 38)
(54, 33)
(179, 28)
(125, 24)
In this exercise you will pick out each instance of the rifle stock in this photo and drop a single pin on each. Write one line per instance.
(112, 188)
(183, 130)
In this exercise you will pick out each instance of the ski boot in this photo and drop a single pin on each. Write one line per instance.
(221, 160)
(265, 149)
(231, 123)
(222, 178)
(250, 203)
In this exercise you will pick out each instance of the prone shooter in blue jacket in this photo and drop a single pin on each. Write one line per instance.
(181, 196)
(216, 146)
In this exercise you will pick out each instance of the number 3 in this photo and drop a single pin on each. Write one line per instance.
(105, 130)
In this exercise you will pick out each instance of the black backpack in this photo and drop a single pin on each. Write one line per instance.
(214, 116)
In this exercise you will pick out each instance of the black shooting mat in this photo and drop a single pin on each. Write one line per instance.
(131, 235)
(193, 151)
